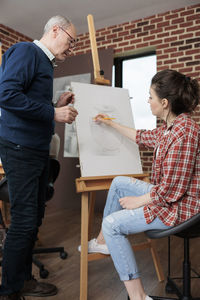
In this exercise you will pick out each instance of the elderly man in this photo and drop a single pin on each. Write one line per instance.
(26, 126)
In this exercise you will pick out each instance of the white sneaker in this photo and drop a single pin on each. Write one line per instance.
(94, 247)
(148, 298)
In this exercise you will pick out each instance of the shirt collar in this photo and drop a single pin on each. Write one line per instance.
(176, 120)
(48, 53)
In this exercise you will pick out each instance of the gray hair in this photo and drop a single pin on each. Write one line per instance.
(57, 20)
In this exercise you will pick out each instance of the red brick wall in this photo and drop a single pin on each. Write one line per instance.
(175, 36)
(9, 36)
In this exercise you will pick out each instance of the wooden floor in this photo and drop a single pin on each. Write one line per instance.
(62, 228)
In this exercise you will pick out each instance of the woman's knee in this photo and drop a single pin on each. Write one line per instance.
(119, 181)
(125, 180)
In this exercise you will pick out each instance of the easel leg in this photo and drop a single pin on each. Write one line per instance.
(91, 214)
(84, 247)
(156, 260)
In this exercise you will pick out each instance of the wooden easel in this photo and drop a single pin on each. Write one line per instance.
(88, 187)
(98, 73)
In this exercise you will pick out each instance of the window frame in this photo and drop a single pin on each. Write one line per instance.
(118, 63)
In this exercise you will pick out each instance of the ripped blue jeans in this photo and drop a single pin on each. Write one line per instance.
(119, 222)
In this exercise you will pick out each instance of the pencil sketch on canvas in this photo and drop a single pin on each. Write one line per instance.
(102, 150)
(105, 140)
(61, 85)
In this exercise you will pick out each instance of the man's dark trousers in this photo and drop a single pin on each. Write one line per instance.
(27, 172)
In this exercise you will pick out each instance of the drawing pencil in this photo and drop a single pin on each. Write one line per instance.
(108, 118)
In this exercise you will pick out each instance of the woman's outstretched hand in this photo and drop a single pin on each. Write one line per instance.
(102, 118)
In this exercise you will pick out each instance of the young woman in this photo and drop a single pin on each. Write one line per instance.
(135, 206)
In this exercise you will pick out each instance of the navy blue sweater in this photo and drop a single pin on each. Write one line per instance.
(26, 90)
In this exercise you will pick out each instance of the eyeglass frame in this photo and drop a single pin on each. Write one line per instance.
(72, 41)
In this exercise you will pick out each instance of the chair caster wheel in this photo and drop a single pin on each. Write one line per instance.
(44, 273)
(63, 255)
(169, 289)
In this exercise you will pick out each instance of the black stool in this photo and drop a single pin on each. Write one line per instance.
(187, 230)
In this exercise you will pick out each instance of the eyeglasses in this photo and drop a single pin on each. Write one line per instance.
(72, 41)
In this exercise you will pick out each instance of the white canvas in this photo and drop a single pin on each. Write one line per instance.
(103, 151)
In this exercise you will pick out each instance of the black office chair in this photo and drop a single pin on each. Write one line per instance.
(187, 230)
(54, 168)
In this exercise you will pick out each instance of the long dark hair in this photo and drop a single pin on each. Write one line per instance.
(182, 92)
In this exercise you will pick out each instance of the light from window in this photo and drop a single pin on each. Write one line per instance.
(137, 74)
(113, 76)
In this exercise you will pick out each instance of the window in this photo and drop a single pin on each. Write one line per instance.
(134, 73)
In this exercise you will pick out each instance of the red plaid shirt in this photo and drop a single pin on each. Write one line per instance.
(175, 196)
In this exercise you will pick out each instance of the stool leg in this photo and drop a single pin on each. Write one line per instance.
(168, 287)
(169, 256)
(186, 271)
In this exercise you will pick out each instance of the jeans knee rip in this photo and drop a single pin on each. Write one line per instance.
(133, 180)
(132, 212)
(137, 212)
(110, 219)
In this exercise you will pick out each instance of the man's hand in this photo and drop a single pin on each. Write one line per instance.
(65, 114)
(65, 99)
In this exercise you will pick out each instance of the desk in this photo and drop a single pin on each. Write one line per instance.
(88, 187)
